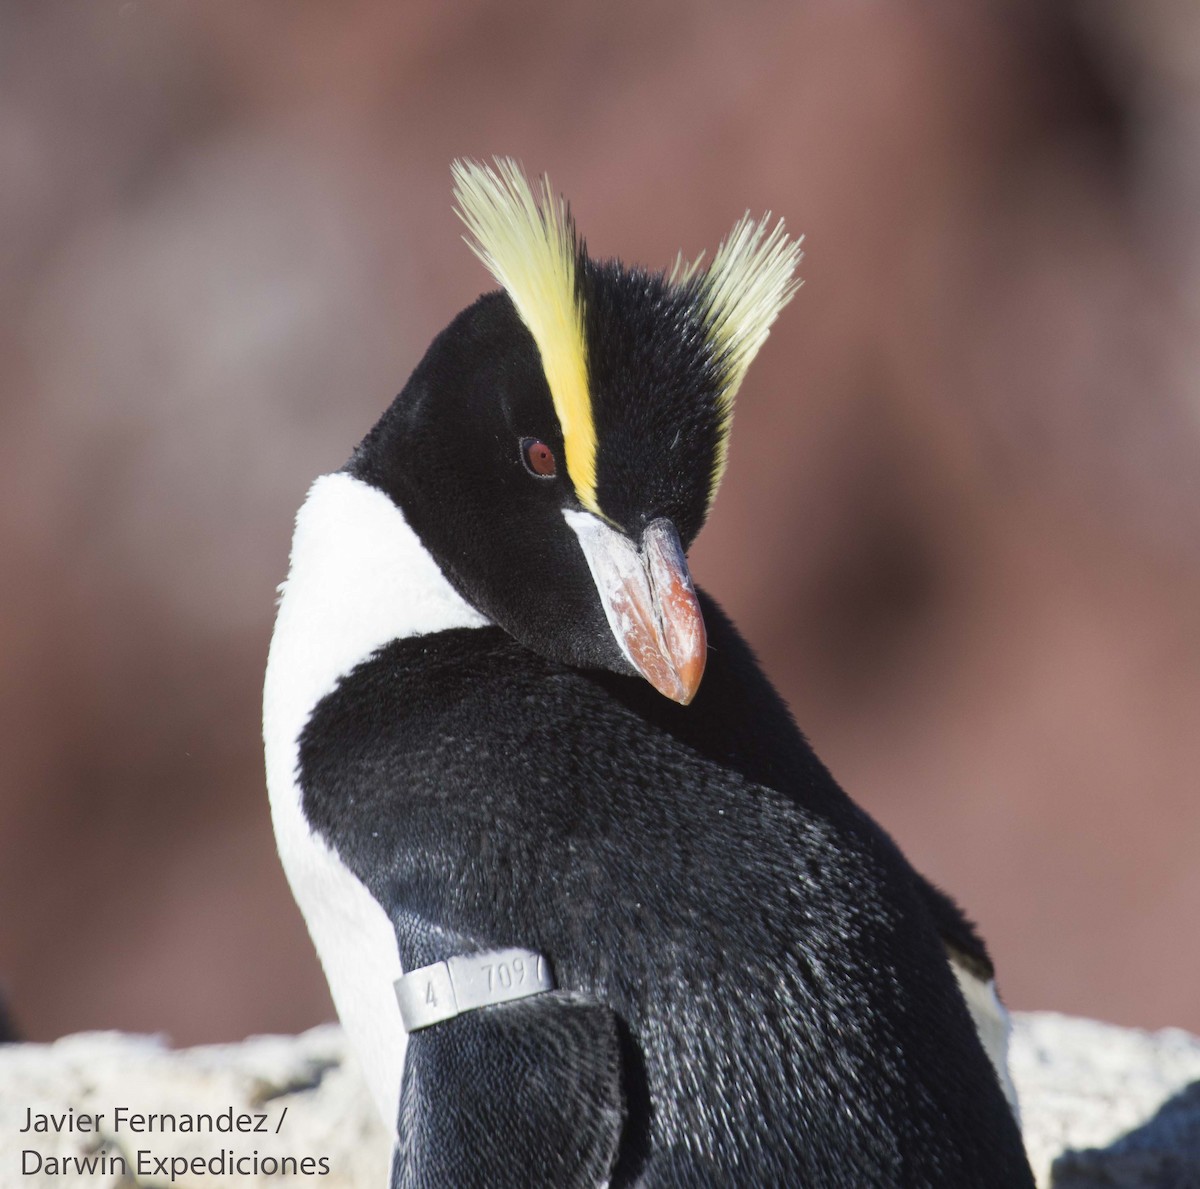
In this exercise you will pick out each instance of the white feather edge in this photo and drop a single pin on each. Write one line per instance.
(992, 1023)
(359, 578)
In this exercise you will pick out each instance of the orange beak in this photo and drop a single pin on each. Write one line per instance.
(649, 601)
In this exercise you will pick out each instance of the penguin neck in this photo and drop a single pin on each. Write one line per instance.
(359, 578)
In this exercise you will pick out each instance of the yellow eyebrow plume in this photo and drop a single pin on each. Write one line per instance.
(529, 246)
(752, 277)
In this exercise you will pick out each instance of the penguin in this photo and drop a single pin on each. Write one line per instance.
(591, 910)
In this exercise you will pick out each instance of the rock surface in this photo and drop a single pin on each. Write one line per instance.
(1105, 1107)
(328, 1113)
(1101, 1107)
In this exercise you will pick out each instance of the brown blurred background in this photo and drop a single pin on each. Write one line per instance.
(961, 523)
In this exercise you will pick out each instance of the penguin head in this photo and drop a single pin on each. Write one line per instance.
(559, 445)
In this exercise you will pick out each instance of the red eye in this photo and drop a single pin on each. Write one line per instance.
(538, 458)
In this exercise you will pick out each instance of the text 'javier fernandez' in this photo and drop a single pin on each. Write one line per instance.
(125, 1120)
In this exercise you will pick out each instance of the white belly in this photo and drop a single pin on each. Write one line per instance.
(359, 578)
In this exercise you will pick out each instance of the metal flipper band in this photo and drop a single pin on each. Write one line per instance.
(447, 989)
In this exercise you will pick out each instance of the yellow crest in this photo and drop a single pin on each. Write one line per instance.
(527, 242)
(529, 246)
(752, 277)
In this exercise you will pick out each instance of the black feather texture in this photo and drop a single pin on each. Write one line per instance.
(773, 968)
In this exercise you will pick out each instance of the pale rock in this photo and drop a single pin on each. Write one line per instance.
(1107, 1107)
(329, 1112)
(1104, 1107)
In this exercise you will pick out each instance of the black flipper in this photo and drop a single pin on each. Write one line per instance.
(520, 1094)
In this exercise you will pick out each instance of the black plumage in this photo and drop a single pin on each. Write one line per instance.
(701, 887)
(752, 982)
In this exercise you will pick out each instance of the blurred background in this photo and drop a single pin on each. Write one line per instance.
(961, 524)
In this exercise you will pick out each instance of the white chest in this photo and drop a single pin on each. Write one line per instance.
(359, 578)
